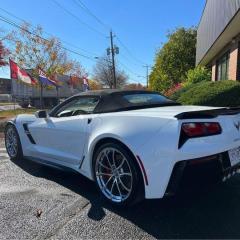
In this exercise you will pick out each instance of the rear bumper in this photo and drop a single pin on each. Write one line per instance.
(200, 172)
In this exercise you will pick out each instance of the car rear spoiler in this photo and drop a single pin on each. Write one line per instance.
(208, 113)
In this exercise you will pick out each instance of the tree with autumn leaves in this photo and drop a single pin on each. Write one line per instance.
(103, 73)
(4, 53)
(33, 51)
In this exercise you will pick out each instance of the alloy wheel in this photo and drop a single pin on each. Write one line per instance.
(113, 174)
(11, 140)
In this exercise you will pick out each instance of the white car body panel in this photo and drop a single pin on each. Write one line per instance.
(152, 134)
(57, 140)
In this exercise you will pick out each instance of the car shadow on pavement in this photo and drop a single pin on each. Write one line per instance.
(208, 213)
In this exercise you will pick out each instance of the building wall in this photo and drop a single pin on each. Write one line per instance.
(232, 72)
(5, 86)
(233, 49)
(214, 68)
(216, 16)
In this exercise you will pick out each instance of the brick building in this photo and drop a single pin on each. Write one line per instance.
(218, 39)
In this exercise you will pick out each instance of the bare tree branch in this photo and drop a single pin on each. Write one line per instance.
(103, 74)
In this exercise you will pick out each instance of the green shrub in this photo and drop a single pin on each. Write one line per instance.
(222, 93)
(196, 75)
(176, 95)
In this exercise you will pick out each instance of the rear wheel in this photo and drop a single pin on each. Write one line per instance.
(116, 174)
(12, 142)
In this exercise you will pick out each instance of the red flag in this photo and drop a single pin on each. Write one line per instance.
(85, 84)
(20, 74)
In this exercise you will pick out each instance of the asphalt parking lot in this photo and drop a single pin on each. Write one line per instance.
(71, 208)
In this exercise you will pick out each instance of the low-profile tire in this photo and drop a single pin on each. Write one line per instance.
(12, 143)
(116, 175)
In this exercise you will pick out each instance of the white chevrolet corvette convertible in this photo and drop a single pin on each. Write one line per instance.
(133, 144)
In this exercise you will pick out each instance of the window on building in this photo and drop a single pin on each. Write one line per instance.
(238, 62)
(222, 67)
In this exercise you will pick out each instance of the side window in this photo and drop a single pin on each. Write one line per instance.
(222, 67)
(78, 106)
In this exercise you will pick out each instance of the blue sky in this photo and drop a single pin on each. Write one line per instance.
(141, 26)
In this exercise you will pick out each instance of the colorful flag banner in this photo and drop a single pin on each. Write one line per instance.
(55, 79)
(74, 80)
(20, 74)
(44, 80)
(85, 84)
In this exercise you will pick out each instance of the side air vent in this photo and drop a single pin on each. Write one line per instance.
(25, 126)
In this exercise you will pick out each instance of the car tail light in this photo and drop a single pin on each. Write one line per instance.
(201, 129)
(198, 129)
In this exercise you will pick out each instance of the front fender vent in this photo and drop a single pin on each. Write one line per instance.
(25, 127)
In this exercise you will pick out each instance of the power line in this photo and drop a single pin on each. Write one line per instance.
(11, 14)
(89, 12)
(78, 19)
(86, 9)
(129, 60)
(2, 18)
(128, 51)
(109, 62)
(14, 24)
(130, 70)
(47, 33)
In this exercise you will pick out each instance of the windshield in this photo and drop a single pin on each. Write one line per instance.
(147, 99)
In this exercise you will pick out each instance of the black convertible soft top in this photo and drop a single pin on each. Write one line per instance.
(113, 100)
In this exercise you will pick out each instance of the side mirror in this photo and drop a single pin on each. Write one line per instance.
(41, 114)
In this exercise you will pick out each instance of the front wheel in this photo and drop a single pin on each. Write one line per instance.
(116, 174)
(12, 142)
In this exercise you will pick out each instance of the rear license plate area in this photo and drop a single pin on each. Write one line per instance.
(234, 156)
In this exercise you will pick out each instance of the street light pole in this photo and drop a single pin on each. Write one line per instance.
(113, 61)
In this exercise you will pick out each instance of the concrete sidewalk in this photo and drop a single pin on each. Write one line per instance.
(9, 107)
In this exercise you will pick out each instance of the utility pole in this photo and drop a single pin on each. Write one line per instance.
(114, 50)
(57, 89)
(41, 95)
(111, 72)
(147, 76)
